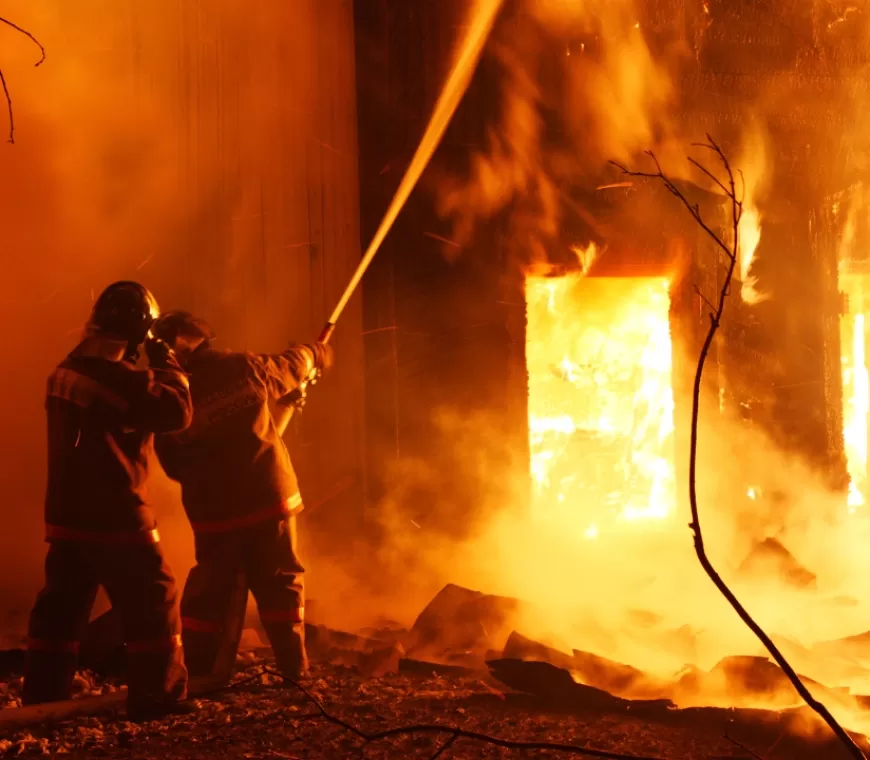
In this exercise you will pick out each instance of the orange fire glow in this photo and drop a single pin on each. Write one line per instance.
(750, 237)
(755, 168)
(856, 383)
(598, 352)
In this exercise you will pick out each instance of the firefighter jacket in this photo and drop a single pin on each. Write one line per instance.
(232, 465)
(102, 415)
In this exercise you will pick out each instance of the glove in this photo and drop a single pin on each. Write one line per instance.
(324, 356)
(296, 398)
(160, 355)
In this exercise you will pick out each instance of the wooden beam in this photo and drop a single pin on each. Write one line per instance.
(52, 712)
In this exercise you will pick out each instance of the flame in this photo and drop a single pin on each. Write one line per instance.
(854, 287)
(586, 257)
(753, 163)
(600, 400)
(856, 386)
(750, 237)
(615, 102)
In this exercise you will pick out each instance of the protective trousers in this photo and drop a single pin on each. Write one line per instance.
(266, 554)
(141, 587)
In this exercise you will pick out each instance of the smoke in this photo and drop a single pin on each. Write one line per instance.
(617, 95)
(91, 192)
(171, 144)
(635, 593)
(611, 98)
(578, 87)
(515, 164)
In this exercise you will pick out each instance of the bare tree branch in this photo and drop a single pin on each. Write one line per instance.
(8, 107)
(729, 187)
(675, 191)
(3, 78)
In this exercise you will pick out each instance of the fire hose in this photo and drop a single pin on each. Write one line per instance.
(483, 18)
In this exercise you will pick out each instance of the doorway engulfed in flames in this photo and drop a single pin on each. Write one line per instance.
(601, 405)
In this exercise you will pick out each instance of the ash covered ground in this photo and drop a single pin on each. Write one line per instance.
(267, 719)
(461, 667)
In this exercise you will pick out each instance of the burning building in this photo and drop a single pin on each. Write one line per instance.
(532, 326)
(556, 308)
(744, 64)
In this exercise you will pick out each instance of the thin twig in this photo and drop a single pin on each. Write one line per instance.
(232, 685)
(456, 733)
(715, 320)
(8, 107)
(444, 747)
(29, 36)
(6, 93)
(675, 191)
(701, 167)
(704, 298)
(743, 747)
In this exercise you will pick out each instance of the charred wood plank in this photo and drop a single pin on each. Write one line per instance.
(552, 684)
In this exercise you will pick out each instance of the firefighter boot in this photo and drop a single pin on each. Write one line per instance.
(157, 685)
(48, 677)
(288, 644)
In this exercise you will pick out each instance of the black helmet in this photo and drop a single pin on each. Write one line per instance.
(125, 310)
(181, 324)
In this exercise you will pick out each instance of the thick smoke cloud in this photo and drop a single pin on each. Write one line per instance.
(187, 146)
(591, 69)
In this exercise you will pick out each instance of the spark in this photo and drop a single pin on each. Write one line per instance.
(441, 239)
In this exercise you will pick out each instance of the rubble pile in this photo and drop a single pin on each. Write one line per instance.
(461, 663)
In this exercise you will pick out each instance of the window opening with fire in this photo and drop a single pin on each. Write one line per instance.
(601, 408)
(856, 382)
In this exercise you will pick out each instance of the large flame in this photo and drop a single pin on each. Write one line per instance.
(854, 286)
(600, 400)
(750, 237)
(856, 385)
(754, 174)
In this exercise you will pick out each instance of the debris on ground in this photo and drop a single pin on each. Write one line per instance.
(474, 673)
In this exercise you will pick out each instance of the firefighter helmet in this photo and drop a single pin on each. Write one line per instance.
(181, 329)
(125, 310)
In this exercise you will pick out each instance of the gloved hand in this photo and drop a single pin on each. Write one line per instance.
(324, 356)
(160, 355)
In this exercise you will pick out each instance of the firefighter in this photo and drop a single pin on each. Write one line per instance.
(239, 491)
(102, 414)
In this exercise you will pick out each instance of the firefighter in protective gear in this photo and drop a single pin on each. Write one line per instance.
(102, 414)
(239, 491)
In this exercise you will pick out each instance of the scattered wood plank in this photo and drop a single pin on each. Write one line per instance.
(51, 712)
(423, 668)
(552, 684)
(461, 620)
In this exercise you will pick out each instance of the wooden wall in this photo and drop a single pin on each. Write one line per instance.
(442, 337)
(208, 149)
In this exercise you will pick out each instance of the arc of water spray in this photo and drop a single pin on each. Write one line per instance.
(483, 15)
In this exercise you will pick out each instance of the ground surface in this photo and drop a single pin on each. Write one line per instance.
(269, 720)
